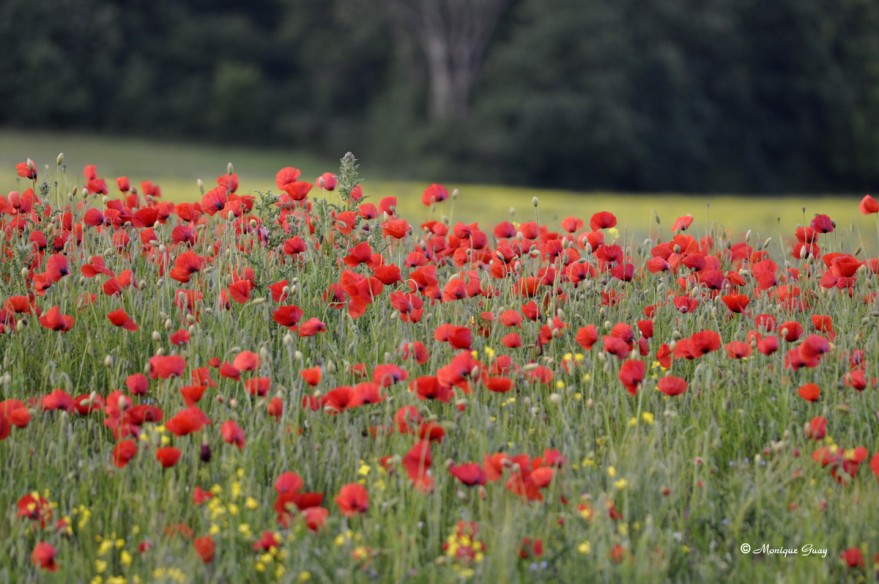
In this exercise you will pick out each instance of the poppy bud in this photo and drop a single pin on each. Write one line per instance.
(535, 202)
(60, 159)
(205, 454)
(108, 361)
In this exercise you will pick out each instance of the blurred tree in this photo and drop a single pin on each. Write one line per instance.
(691, 95)
(454, 35)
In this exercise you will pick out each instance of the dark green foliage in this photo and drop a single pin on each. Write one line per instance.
(722, 95)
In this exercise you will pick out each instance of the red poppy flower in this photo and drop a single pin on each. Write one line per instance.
(632, 374)
(470, 474)
(205, 548)
(738, 349)
(417, 463)
(868, 205)
(246, 361)
(187, 421)
(435, 193)
(602, 220)
(810, 392)
(232, 434)
(54, 320)
(672, 386)
(27, 169)
(386, 375)
(736, 303)
(120, 318)
(43, 557)
(311, 376)
(682, 223)
(352, 499)
(268, 541)
(58, 399)
(165, 366)
(315, 517)
(240, 290)
(124, 452)
(853, 557)
(185, 265)
(587, 336)
(816, 429)
(791, 331)
(168, 456)
(311, 327)
(179, 338)
(36, 508)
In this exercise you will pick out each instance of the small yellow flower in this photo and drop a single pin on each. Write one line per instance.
(633, 422)
(621, 484)
(611, 472)
(647, 417)
(304, 576)
(584, 548)
(100, 566)
(363, 470)
(125, 558)
(251, 503)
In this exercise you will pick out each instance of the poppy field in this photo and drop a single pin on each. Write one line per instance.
(303, 385)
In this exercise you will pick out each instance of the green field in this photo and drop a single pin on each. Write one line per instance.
(177, 167)
(306, 393)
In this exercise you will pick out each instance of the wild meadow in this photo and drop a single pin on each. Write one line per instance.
(306, 384)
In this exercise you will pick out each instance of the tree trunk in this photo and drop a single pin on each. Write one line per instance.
(454, 35)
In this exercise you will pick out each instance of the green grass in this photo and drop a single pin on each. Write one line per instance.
(691, 477)
(178, 166)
